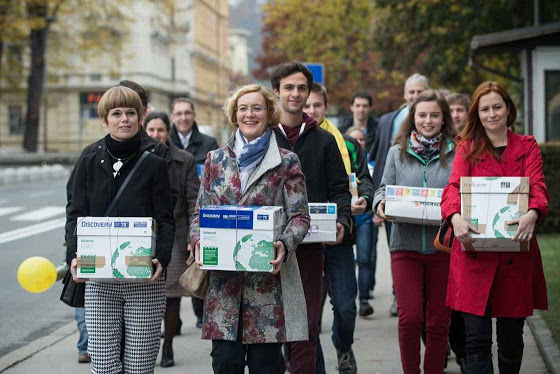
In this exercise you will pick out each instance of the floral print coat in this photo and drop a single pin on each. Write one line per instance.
(272, 307)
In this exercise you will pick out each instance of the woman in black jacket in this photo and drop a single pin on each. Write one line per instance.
(98, 177)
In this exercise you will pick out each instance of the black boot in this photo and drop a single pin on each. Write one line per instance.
(509, 366)
(480, 364)
(167, 358)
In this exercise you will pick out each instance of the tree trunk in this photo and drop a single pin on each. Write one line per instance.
(38, 42)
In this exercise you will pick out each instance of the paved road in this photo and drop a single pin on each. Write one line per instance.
(31, 224)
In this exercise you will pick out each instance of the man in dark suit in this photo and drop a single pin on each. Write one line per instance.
(185, 133)
(186, 136)
(387, 129)
(361, 118)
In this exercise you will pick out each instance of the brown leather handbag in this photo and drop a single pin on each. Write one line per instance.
(444, 238)
(194, 280)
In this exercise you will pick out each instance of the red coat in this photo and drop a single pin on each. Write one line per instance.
(512, 282)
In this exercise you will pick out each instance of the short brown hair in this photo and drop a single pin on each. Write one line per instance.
(474, 133)
(181, 100)
(408, 125)
(288, 68)
(116, 97)
(319, 88)
(272, 107)
(459, 98)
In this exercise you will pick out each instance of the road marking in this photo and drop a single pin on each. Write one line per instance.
(32, 230)
(9, 210)
(40, 214)
(41, 194)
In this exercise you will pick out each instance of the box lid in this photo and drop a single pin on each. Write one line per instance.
(322, 211)
(413, 193)
(236, 217)
(492, 185)
(112, 226)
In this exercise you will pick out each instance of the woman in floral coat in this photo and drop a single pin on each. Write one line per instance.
(249, 315)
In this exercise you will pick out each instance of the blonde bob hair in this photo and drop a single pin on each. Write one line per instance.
(119, 97)
(272, 107)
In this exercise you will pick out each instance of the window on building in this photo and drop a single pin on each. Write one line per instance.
(15, 120)
(552, 100)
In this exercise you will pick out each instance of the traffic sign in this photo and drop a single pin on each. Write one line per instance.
(318, 71)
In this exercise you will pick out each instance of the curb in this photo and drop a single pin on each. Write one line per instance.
(21, 354)
(546, 344)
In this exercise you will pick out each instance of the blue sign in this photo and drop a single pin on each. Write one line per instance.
(318, 71)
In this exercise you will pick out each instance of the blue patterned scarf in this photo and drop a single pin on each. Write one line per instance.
(253, 152)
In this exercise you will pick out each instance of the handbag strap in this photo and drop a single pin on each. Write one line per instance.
(125, 183)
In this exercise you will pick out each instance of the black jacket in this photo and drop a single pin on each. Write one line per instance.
(371, 129)
(147, 144)
(325, 177)
(147, 195)
(199, 144)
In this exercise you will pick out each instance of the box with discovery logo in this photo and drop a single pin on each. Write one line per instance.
(239, 238)
(116, 247)
(488, 203)
(322, 227)
(419, 205)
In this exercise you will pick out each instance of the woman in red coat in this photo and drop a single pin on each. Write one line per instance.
(505, 285)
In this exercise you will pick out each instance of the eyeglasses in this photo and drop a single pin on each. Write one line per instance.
(257, 109)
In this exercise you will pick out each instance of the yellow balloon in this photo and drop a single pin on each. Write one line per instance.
(36, 274)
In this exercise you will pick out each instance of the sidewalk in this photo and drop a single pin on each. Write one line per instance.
(376, 346)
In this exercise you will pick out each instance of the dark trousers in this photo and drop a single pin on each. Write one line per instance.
(366, 251)
(342, 288)
(231, 357)
(478, 343)
(457, 334)
(303, 354)
(198, 307)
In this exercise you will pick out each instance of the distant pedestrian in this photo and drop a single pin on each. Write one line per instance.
(83, 356)
(459, 104)
(158, 127)
(504, 285)
(248, 315)
(97, 177)
(186, 136)
(387, 130)
(361, 117)
(326, 180)
(421, 157)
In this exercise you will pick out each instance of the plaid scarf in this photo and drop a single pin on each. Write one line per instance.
(426, 148)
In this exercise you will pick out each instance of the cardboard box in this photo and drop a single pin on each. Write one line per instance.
(116, 248)
(488, 203)
(323, 223)
(237, 238)
(417, 205)
(353, 187)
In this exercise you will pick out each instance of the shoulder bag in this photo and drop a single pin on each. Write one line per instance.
(73, 294)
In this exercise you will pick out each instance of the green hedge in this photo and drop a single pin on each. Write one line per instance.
(551, 159)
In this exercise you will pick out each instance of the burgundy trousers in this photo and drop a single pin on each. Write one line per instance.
(421, 279)
(303, 354)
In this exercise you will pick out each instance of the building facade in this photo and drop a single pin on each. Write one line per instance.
(183, 54)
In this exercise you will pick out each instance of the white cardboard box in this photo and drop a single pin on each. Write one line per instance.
(419, 205)
(237, 238)
(322, 227)
(353, 187)
(488, 203)
(116, 248)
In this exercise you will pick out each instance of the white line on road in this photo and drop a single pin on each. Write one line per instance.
(40, 214)
(32, 230)
(9, 210)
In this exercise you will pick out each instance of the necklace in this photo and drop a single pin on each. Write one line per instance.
(117, 165)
